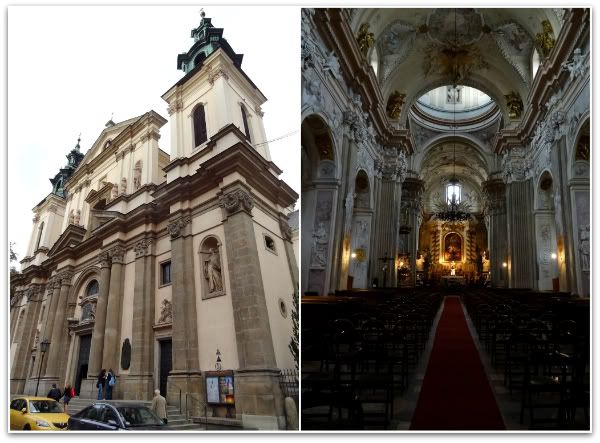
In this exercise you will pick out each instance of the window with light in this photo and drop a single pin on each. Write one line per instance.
(453, 188)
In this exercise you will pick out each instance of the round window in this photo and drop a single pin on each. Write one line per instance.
(282, 308)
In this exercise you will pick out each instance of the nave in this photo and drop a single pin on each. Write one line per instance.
(428, 359)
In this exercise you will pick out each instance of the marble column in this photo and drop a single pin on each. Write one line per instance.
(374, 264)
(111, 352)
(26, 333)
(88, 388)
(139, 383)
(412, 189)
(57, 351)
(259, 400)
(185, 375)
(521, 235)
(495, 194)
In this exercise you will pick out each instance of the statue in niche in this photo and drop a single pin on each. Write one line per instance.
(115, 192)
(584, 247)
(212, 271)
(76, 217)
(72, 217)
(137, 175)
(166, 312)
(123, 185)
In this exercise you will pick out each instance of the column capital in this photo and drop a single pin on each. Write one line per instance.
(286, 231)
(236, 201)
(104, 259)
(142, 247)
(176, 227)
(65, 278)
(117, 254)
(494, 192)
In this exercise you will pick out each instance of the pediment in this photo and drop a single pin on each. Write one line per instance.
(72, 236)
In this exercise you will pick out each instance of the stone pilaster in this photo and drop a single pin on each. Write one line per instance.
(258, 397)
(286, 234)
(139, 383)
(26, 334)
(521, 235)
(185, 375)
(412, 189)
(111, 351)
(495, 195)
(57, 351)
(15, 302)
(88, 388)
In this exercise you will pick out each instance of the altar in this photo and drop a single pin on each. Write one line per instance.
(453, 280)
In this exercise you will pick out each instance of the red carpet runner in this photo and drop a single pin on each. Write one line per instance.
(455, 394)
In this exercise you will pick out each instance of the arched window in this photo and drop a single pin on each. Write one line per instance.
(374, 60)
(200, 135)
(40, 231)
(535, 63)
(245, 120)
(92, 288)
(453, 191)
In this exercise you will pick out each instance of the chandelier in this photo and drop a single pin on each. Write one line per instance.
(453, 209)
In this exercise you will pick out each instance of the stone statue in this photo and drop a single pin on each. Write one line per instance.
(72, 217)
(76, 217)
(212, 271)
(584, 247)
(137, 175)
(544, 41)
(123, 185)
(115, 192)
(166, 312)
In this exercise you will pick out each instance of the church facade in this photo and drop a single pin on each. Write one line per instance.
(173, 270)
(442, 143)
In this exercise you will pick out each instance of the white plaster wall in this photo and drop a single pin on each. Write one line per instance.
(216, 328)
(277, 284)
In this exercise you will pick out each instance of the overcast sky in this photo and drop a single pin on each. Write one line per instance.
(71, 67)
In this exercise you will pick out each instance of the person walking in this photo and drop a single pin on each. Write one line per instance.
(110, 383)
(100, 384)
(67, 395)
(159, 406)
(54, 393)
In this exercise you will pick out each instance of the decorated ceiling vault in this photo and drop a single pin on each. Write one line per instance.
(411, 115)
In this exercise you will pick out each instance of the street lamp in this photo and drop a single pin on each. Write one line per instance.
(44, 345)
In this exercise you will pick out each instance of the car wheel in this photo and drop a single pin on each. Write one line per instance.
(27, 427)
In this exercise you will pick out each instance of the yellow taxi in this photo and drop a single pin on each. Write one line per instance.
(37, 414)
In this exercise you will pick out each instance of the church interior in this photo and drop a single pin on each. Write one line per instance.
(445, 219)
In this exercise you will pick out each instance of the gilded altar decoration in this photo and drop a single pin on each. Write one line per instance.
(453, 247)
(514, 104)
(394, 104)
(544, 41)
(365, 38)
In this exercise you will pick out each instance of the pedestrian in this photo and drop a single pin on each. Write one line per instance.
(110, 383)
(100, 384)
(54, 393)
(69, 392)
(159, 406)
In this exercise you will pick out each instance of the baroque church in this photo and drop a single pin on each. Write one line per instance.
(445, 187)
(177, 271)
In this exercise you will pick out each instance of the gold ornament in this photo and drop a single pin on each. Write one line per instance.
(514, 104)
(394, 104)
(544, 41)
(365, 38)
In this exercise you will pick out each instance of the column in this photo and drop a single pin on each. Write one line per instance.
(88, 388)
(44, 331)
(286, 234)
(258, 396)
(374, 241)
(111, 351)
(185, 375)
(495, 194)
(139, 384)
(15, 302)
(412, 189)
(57, 351)
(26, 333)
(521, 235)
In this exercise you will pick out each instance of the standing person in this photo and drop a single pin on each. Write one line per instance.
(67, 396)
(159, 406)
(110, 383)
(100, 384)
(54, 393)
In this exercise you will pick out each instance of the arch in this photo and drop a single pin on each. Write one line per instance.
(200, 133)
(468, 139)
(92, 288)
(579, 159)
(319, 148)
(374, 60)
(198, 59)
(81, 285)
(245, 122)
(362, 190)
(536, 61)
(39, 237)
(211, 263)
(543, 193)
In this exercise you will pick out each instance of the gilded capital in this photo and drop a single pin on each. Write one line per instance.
(238, 200)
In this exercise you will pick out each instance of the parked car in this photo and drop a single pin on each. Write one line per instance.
(37, 414)
(103, 416)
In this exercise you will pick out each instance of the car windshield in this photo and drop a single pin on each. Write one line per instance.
(44, 406)
(139, 416)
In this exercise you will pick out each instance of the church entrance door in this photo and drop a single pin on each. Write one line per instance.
(85, 342)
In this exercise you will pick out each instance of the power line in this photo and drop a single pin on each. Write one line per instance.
(277, 138)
